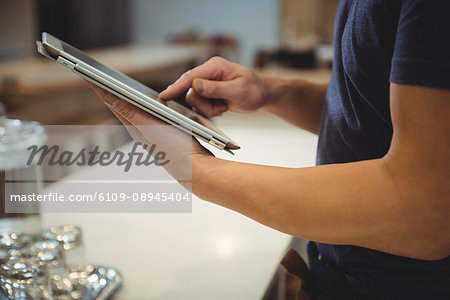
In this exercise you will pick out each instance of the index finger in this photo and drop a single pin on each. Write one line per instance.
(208, 70)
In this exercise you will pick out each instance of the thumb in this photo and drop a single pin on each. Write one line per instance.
(212, 89)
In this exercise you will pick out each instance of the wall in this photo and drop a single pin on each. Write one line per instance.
(17, 29)
(302, 19)
(254, 22)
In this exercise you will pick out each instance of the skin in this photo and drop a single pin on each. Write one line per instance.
(399, 204)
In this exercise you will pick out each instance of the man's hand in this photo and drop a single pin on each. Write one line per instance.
(169, 139)
(218, 86)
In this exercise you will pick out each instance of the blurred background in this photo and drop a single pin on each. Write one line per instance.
(155, 41)
(152, 40)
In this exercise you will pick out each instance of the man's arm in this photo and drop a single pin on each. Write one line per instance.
(297, 101)
(398, 204)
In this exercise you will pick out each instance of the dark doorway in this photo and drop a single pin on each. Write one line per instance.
(86, 23)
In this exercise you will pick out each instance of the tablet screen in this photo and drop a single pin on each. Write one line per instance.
(110, 72)
(141, 88)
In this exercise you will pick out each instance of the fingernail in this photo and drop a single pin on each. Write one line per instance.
(200, 85)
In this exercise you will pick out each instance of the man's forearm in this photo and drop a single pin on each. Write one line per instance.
(298, 101)
(355, 203)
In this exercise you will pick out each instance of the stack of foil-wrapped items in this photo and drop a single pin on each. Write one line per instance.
(50, 266)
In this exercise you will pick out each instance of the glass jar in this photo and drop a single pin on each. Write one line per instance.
(15, 137)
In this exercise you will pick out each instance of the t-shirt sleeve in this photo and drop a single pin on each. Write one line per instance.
(422, 44)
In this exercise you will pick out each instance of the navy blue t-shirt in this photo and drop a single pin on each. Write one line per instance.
(378, 42)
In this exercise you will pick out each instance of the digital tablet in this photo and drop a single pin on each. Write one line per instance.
(133, 91)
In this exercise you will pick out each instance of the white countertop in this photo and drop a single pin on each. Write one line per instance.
(211, 253)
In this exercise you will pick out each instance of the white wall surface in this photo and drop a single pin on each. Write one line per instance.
(254, 22)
